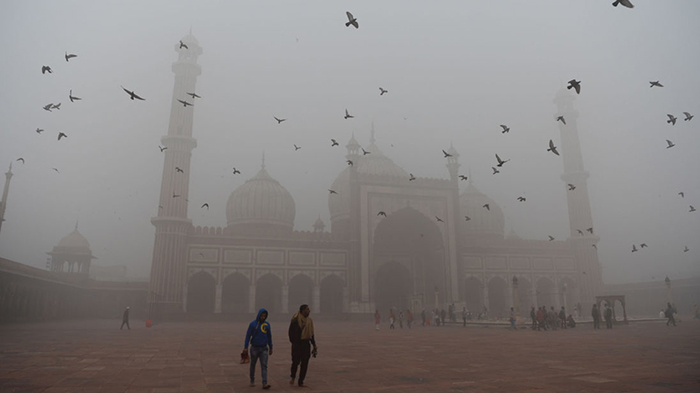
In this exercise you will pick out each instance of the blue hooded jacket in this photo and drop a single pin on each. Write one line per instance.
(259, 334)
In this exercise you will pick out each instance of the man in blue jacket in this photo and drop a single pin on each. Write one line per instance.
(259, 336)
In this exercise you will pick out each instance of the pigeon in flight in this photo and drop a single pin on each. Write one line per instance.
(467, 218)
(551, 238)
(175, 195)
(349, 162)
(205, 205)
(182, 45)
(162, 148)
(20, 159)
(446, 154)
(411, 178)
(626, 3)
(177, 168)
(580, 232)
(185, 103)
(671, 119)
(39, 130)
(657, 84)
(296, 147)
(634, 248)
(692, 209)
(682, 194)
(56, 106)
(505, 129)
(132, 95)
(594, 246)
(334, 142)
(365, 152)
(643, 245)
(236, 171)
(347, 115)
(487, 207)
(561, 119)
(62, 135)
(670, 144)
(495, 171)
(45, 69)
(279, 121)
(576, 85)
(381, 214)
(332, 191)
(48, 107)
(72, 97)
(590, 230)
(56, 169)
(462, 177)
(522, 199)
(686, 249)
(688, 116)
(382, 91)
(351, 20)
(552, 148)
(68, 57)
(193, 95)
(571, 187)
(439, 219)
(500, 162)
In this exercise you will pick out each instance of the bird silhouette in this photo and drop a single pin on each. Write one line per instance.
(487, 207)
(682, 194)
(56, 106)
(72, 97)
(561, 119)
(365, 152)
(332, 191)
(411, 177)
(45, 69)
(500, 162)
(439, 219)
(296, 147)
(381, 214)
(177, 168)
(634, 248)
(692, 209)
(580, 232)
(48, 107)
(193, 95)
(467, 218)
(688, 116)
(175, 195)
(495, 171)
(462, 177)
(505, 129)
(347, 115)
(55, 169)
(160, 206)
(590, 230)
(132, 95)
(576, 85)
(571, 187)
(334, 142)
(625, 3)
(671, 119)
(552, 148)
(39, 130)
(205, 205)
(349, 162)
(185, 103)
(594, 246)
(182, 45)
(446, 154)
(20, 159)
(522, 199)
(279, 121)
(657, 84)
(551, 238)
(236, 171)
(382, 91)
(62, 135)
(670, 144)
(686, 249)
(351, 20)
(162, 148)
(68, 57)
(643, 245)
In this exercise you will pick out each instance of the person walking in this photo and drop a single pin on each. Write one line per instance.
(422, 317)
(401, 319)
(608, 315)
(259, 337)
(669, 315)
(392, 318)
(301, 335)
(125, 319)
(533, 316)
(443, 317)
(409, 318)
(377, 319)
(595, 313)
(464, 316)
(512, 318)
(562, 317)
(541, 318)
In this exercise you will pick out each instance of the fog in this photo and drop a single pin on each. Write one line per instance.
(454, 71)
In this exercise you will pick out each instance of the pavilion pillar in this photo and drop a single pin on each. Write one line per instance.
(217, 300)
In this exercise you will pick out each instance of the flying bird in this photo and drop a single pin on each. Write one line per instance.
(522, 199)
(205, 205)
(351, 20)
(39, 130)
(365, 152)
(467, 218)
(55, 169)
(580, 232)
(175, 195)
(594, 246)
(382, 91)
(561, 119)
(381, 214)
(576, 85)
(671, 119)
(162, 148)
(626, 3)
(279, 121)
(332, 191)
(657, 84)
(590, 230)
(411, 178)
(62, 135)
(72, 97)
(20, 159)
(334, 142)
(296, 147)
(349, 162)
(688, 116)
(45, 69)
(182, 45)
(132, 95)
(643, 245)
(439, 219)
(462, 177)
(236, 171)
(505, 129)
(552, 148)
(495, 171)
(68, 57)
(56, 106)
(670, 144)
(686, 249)
(185, 103)
(571, 187)
(500, 162)
(634, 248)
(193, 95)
(682, 194)
(347, 115)
(551, 238)
(48, 107)
(692, 209)
(446, 154)
(487, 207)
(177, 168)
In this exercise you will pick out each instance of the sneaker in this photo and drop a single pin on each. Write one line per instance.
(267, 386)
(291, 381)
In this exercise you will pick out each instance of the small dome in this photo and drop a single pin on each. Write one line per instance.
(75, 241)
(319, 226)
(261, 202)
(483, 222)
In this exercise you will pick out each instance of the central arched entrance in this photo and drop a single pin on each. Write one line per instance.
(234, 294)
(408, 236)
(332, 295)
(268, 293)
(301, 291)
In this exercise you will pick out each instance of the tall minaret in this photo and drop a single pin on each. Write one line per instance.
(5, 191)
(577, 200)
(168, 267)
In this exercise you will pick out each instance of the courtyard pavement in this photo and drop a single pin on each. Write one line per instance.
(95, 356)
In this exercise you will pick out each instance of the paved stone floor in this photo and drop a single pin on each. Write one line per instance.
(95, 356)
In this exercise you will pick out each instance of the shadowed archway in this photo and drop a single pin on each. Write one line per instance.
(497, 297)
(201, 291)
(268, 293)
(301, 291)
(235, 292)
(332, 295)
(473, 290)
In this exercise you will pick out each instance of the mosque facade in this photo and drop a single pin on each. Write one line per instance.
(393, 240)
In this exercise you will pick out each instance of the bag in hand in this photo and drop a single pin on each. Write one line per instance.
(245, 357)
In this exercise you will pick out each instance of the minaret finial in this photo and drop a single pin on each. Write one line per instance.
(10, 166)
(76, 225)
(263, 159)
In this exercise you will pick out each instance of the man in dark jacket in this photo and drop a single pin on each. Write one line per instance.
(595, 313)
(259, 336)
(533, 316)
(301, 335)
(125, 319)
(608, 315)
(669, 314)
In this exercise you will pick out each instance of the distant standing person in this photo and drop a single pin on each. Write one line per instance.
(409, 318)
(259, 337)
(533, 316)
(301, 335)
(512, 318)
(595, 313)
(669, 315)
(608, 316)
(422, 317)
(377, 319)
(125, 319)
(401, 319)
(443, 316)
(464, 316)
(562, 317)
(392, 318)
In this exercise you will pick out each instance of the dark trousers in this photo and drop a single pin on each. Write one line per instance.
(125, 323)
(608, 323)
(596, 323)
(534, 324)
(301, 352)
(671, 319)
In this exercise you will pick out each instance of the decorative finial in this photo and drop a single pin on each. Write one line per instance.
(10, 166)
(371, 137)
(263, 159)
(76, 225)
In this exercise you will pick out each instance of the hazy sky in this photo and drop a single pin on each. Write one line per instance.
(455, 71)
